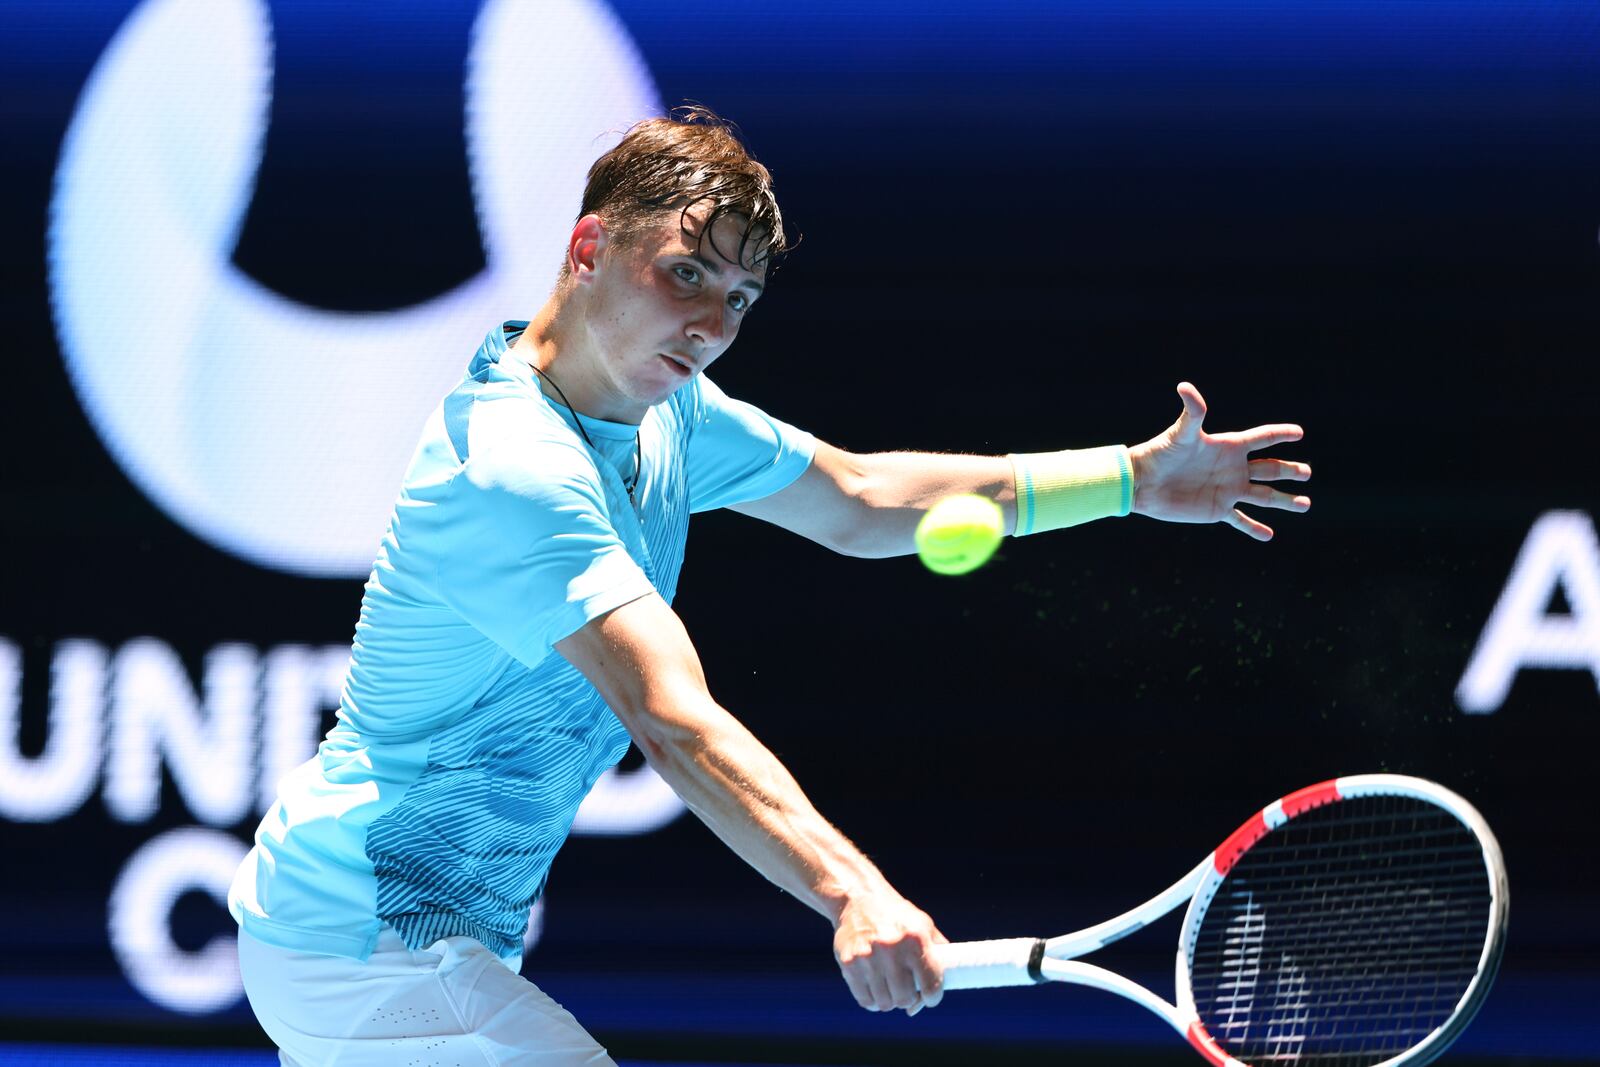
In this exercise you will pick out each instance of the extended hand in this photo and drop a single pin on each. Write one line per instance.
(882, 944)
(1188, 475)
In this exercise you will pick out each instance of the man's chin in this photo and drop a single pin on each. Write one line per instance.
(670, 387)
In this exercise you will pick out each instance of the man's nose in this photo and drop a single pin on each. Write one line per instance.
(707, 327)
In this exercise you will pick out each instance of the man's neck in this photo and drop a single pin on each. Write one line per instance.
(558, 344)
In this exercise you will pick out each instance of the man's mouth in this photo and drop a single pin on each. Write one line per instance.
(679, 366)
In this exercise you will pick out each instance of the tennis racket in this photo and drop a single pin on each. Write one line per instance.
(1354, 923)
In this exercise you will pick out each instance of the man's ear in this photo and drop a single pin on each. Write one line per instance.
(585, 245)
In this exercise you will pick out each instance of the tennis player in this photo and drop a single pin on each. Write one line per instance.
(517, 632)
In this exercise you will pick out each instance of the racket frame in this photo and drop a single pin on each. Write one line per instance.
(1024, 961)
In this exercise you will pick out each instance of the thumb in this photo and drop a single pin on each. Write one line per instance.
(1193, 414)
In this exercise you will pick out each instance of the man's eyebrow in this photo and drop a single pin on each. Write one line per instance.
(716, 269)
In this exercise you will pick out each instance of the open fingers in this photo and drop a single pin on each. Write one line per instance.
(1268, 497)
(1252, 528)
(1277, 433)
(1279, 470)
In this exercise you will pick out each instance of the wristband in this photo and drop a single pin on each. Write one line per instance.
(1060, 489)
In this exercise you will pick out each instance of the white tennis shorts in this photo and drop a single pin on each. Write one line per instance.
(456, 1003)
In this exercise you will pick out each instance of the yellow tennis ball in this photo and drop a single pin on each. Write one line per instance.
(959, 533)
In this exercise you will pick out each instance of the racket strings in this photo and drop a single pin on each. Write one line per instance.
(1344, 937)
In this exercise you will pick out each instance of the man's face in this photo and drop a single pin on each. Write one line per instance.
(665, 305)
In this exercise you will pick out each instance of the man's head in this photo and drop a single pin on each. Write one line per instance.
(689, 165)
(679, 226)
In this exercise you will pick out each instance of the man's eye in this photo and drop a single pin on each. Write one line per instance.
(688, 274)
(738, 301)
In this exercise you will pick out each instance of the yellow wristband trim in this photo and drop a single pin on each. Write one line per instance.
(1060, 489)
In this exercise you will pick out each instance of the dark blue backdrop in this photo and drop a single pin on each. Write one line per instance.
(1021, 224)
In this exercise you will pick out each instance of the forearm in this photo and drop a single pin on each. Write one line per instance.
(641, 660)
(894, 489)
(755, 806)
(1035, 491)
(882, 942)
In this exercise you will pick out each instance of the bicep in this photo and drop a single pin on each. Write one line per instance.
(823, 504)
(641, 660)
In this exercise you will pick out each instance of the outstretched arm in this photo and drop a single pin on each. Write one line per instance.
(869, 505)
(641, 660)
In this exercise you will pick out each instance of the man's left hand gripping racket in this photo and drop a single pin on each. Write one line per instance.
(1355, 923)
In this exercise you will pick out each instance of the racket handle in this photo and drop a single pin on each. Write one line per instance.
(989, 964)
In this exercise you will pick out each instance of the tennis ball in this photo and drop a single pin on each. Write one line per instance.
(959, 533)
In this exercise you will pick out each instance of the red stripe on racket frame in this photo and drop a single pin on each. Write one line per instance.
(1238, 842)
(1312, 796)
(1206, 1045)
(1255, 828)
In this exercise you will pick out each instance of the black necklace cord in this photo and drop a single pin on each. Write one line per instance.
(638, 449)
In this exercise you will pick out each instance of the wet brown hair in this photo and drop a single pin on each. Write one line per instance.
(679, 162)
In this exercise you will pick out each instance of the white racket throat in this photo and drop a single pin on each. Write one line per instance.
(1341, 884)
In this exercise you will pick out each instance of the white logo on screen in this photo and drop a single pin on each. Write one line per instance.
(275, 431)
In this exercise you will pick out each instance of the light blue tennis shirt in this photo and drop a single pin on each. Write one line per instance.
(464, 745)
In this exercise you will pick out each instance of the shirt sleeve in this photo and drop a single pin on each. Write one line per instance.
(532, 554)
(737, 452)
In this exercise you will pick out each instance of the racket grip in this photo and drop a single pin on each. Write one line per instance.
(990, 964)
